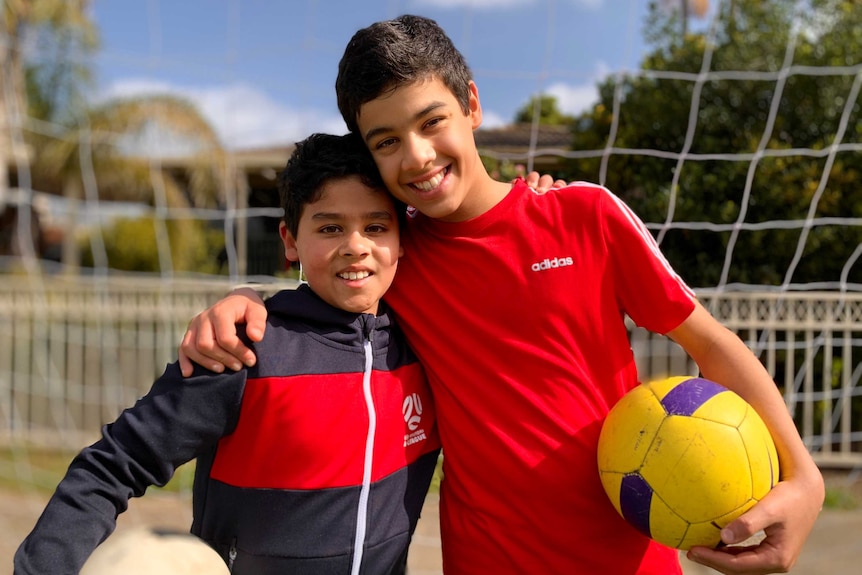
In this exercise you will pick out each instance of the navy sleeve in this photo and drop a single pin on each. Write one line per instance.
(176, 421)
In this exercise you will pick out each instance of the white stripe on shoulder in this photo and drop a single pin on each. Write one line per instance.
(648, 239)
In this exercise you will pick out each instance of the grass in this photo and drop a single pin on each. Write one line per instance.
(438, 476)
(41, 469)
(840, 498)
(843, 489)
(38, 470)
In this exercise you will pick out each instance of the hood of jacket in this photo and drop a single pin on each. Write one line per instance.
(302, 305)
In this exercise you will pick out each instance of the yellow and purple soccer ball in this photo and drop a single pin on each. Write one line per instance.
(682, 457)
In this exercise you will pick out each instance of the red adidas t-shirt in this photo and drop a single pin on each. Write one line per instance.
(517, 316)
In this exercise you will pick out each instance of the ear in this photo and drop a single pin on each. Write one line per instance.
(475, 106)
(290, 250)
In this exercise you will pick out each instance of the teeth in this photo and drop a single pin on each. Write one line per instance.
(354, 275)
(431, 183)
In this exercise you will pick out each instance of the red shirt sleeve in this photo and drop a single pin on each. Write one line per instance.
(649, 290)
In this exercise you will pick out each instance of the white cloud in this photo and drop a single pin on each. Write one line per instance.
(492, 119)
(243, 116)
(246, 117)
(491, 4)
(589, 3)
(480, 4)
(575, 99)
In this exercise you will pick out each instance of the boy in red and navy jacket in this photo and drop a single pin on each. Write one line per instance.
(317, 459)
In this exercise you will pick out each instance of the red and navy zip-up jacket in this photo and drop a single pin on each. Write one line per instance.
(316, 460)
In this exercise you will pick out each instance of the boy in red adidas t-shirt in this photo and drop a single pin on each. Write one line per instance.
(515, 304)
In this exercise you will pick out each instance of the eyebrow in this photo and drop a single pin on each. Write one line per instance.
(421, 113)
(381, 215)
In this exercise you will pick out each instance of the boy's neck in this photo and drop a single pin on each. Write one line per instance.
(482, 197)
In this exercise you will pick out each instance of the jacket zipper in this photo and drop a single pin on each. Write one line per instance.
(362, 510)
(231, 555)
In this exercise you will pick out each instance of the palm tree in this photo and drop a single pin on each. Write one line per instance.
(105, 158)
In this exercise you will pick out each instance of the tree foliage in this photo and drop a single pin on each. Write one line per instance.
(546, 108)
(113, 135)
(757, 133)
(57, 39)
(133, 245)
(29, 29)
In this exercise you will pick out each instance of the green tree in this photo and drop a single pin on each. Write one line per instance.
(133, 244)
(546, 108)
(756, 108)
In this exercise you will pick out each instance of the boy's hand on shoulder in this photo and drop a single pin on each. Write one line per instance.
(211, 340)
(786, 516)
(543, 183)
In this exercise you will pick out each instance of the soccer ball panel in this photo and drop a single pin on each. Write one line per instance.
(699, 466)
(661, 387)
(623, 445)
(612, 482)
(762, 456)
(708, 533)
(666, 525)
(727, 408)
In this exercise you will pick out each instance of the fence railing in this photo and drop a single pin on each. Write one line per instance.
(74, 353)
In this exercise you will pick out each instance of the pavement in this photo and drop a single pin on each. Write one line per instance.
(833, 548)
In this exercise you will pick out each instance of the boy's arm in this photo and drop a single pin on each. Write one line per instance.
(211, 339)
(175, 422)
(787, 514)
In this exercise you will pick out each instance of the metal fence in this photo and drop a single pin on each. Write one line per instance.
(74, 353)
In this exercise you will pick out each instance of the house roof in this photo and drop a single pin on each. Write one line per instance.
(519, 137)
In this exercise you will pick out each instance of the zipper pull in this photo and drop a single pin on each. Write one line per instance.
(368, 322)
(231, 556)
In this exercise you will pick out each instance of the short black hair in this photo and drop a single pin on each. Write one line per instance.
(394, 53)
(319, 159)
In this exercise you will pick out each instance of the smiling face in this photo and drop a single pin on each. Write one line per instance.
(348, 244)
(422, 142)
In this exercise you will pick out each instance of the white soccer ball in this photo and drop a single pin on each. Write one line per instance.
(144, 551)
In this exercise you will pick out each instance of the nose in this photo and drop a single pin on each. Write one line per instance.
(355, 244)
(418, 152)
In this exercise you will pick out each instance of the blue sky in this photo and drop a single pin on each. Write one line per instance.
(263, 71)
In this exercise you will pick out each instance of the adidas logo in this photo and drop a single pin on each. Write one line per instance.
(548, 264)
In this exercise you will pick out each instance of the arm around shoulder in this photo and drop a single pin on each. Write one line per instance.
(211, 339)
